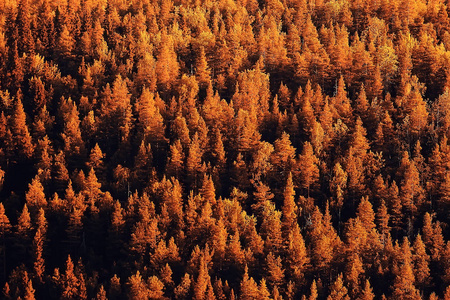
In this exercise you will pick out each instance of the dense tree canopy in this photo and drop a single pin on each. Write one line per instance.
(224, 149)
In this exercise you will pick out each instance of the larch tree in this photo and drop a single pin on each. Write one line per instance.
(289, 207)
(283, 157)
(340, 102)
(338, 290)
(248, 287)
(275, 270)
(167, 67)
(202, 73)
(29, 291)
(24, 226)
(367, 293)
(421, 263)
(308, 167)
(298, 259)
(39, 261)
(21, 138)
(137, 287)
(338, 186)
(151, 123)
(35, 197)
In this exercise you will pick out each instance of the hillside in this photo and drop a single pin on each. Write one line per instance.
(225, 149)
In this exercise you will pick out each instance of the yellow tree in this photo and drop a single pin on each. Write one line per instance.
(298, 259)
(308, 167)
(35, 197)
(338, 290)
(289, 206)
(151, 123)
(21, 138)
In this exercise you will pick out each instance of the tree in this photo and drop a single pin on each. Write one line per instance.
(96, 161)
(29, 291)
(73, 142)
(24, 222)
(275, 271)
(322, 240)
(39, 262)
(338, 290)
(65, 43)
(182, 290)
(4, 221)
(194, 160)
(309, 171)
(271, 228)
(138, 288)
(354, 273)
(283, 157)
(289, 206)
(313, 291)
(101, 294)
(72, 284)
(340, 101)
(382, 217)
(249, 288)
(60, 173)
(35, 197)
(298, 259)
(155, 288)
(366, 214)
(411, 191)
(421, 263)
(151, 123)
(203, 281)
(367, 293)
(21, 138)
(202, 73)
(404, 283)
(338, 186)
(167, 67)
(359, 141)
(175, 162)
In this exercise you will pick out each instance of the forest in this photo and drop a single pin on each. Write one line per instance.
(225, 149)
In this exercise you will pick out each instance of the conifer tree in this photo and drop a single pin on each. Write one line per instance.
(21, 138)
(35, 197)
(289, 206)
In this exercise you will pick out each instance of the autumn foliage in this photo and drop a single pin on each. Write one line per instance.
(224, 149)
